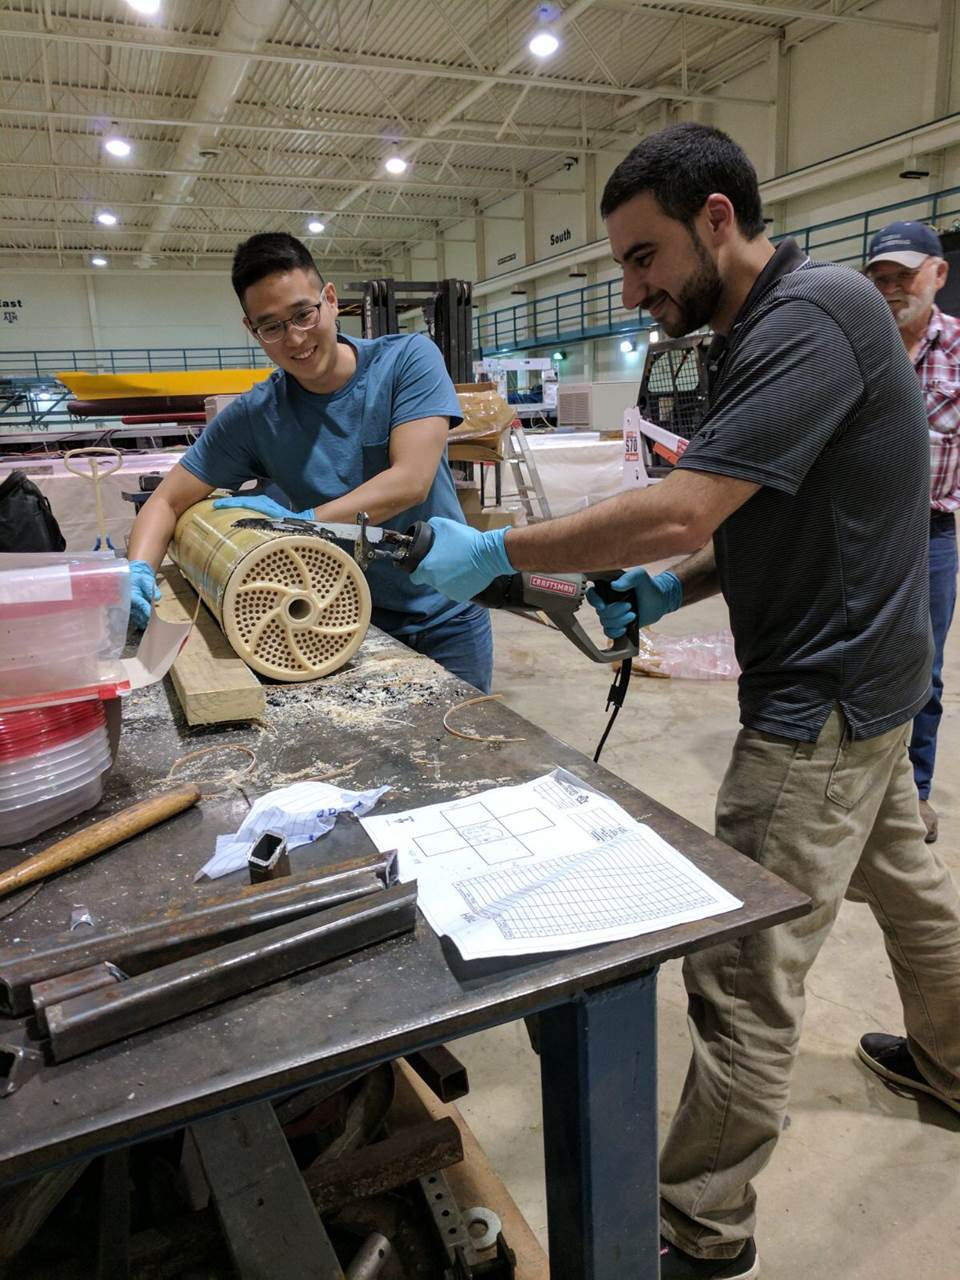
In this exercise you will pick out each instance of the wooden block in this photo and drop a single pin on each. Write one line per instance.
(474, 1182)
(213, 685)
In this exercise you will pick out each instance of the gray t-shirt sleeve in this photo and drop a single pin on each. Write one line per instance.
(223, 456)
(790, 384)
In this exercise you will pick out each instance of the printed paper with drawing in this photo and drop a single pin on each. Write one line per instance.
(544, 866)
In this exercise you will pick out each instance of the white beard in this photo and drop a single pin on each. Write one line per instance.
(914, 307)
(911, 311)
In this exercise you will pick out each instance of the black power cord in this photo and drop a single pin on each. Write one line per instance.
(618, 690)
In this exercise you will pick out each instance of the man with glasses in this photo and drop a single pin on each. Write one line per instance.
(906, 264)
(343, 425)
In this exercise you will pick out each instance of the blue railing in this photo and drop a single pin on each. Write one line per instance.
(847, 239)
(596, 311)
(576, 315)
(46, 364)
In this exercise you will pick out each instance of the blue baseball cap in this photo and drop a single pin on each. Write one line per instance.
(908, 243)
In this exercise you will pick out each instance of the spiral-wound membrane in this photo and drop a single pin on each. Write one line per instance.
(293, 606)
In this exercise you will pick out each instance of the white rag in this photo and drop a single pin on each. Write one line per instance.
(301, 813)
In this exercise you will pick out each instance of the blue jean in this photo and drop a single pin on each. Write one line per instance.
(463, 644)
(943, 598)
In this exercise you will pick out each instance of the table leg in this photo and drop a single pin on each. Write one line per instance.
(113, 1262)
(269, 1222)
(598, 1067)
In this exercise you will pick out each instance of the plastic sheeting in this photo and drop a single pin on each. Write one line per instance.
(576, 470)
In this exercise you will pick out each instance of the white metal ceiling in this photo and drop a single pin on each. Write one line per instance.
(331, 87)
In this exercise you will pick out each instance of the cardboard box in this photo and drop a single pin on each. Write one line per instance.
(492, 518)
(215, 404)
(469, 499)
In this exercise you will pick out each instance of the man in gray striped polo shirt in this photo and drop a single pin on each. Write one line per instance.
(804, 500)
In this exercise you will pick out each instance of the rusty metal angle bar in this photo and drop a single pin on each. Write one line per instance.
(188, 929)
(382, 1166)
(112, 1013)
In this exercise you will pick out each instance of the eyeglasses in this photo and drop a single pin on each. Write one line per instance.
(305, 318)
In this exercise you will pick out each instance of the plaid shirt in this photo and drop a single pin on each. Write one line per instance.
(938, 364)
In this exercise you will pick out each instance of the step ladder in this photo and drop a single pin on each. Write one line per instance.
(518, 456)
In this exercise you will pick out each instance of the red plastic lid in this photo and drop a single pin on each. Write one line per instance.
(25, 733)
(112, 688)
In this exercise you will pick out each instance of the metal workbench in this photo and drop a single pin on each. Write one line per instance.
(597, 1005)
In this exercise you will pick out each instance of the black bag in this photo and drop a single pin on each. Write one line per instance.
(26, 521)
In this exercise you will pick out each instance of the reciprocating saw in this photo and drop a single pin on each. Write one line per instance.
(558, 595)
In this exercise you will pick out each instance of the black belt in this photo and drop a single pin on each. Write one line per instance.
(940, 520)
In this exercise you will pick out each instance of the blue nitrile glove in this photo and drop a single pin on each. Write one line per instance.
(462, 560)
(266, 507)
(652, 598)
(143, 592)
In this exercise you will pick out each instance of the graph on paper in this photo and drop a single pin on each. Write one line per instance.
(543, 866)
(626, 884)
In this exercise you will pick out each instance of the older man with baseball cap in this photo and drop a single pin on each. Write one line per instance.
(906, 264)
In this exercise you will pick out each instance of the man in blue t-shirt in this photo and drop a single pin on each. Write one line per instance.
(343, 425)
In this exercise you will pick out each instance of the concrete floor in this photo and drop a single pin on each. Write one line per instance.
(864, 1185)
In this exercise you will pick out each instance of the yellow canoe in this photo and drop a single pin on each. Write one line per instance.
(194, 382)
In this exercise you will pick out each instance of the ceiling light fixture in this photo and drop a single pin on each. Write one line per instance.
(543, 44)
(654, 335)
(626, 345)
(148, 7)
(558, 356)
(107, 219)
(116, 145)
(98, 262)
(395, 164)
(315, 227)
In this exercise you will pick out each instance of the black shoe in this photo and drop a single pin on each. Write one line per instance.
(677, 1265)
(892, 1061)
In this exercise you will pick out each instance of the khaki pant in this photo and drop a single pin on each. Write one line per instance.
(833, 817)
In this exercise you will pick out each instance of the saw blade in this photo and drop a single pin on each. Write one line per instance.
(348, 533)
